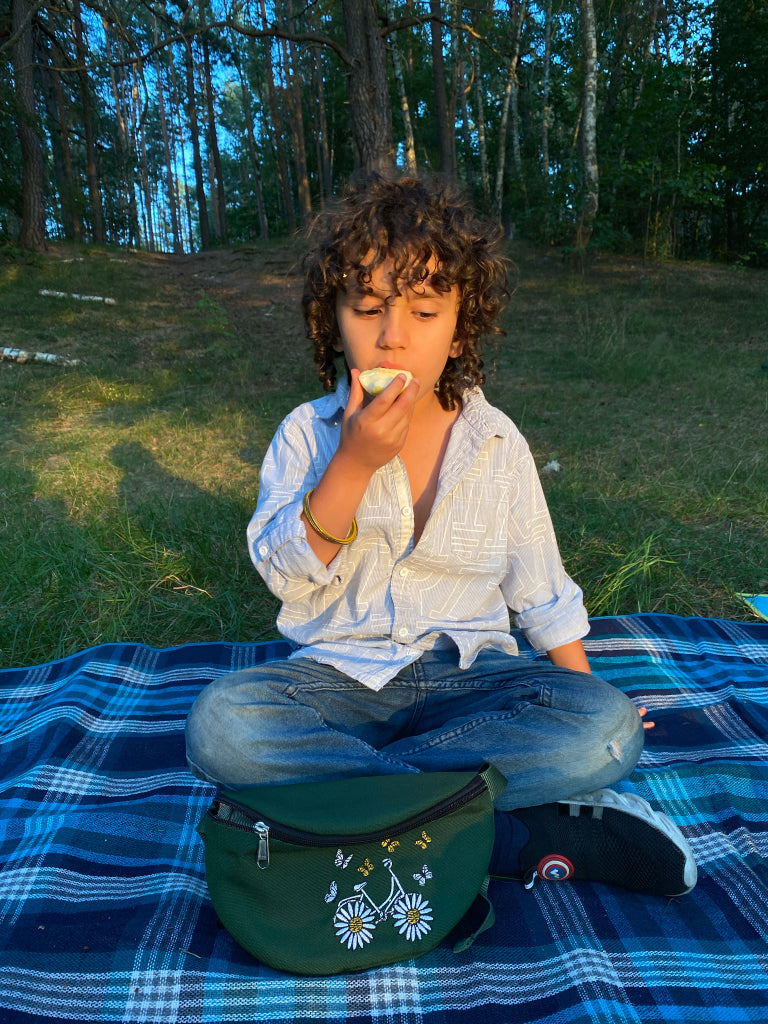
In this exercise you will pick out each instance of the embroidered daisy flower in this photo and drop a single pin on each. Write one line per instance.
(412, 916)
(354, 924)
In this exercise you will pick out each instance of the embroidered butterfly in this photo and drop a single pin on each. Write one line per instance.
(331, 894)
(423, 875)
(423, 841)
(340, 860)
(390, 844)
(366, 867)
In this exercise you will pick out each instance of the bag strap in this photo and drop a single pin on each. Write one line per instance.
(494, 780)
(483, 906)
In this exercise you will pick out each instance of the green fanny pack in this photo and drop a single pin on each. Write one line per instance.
(331, 877)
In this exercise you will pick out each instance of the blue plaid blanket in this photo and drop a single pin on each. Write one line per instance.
(104, 914)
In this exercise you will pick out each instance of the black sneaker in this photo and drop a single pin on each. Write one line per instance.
(610, 837)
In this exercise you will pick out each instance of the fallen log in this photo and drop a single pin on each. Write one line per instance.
(74, 295)
(18, 355)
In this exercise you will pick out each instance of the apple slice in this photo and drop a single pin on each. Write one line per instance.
(374, 381)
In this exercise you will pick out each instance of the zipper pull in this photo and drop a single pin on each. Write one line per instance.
(262, 856)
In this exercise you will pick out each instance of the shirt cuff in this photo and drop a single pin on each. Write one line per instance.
(561, 621)
(283, 548)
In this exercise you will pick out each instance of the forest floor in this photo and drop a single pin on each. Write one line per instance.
(127, 480)
(251, 284)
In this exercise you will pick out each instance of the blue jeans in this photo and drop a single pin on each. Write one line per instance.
(552, 732)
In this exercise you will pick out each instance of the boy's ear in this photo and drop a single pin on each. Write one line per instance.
(457, 346)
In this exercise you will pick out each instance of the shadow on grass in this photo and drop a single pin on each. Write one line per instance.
(167, 564)
(193, 543)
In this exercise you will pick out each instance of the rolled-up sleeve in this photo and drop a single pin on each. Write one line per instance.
(277, 539)
(560, 621)
(545, 602)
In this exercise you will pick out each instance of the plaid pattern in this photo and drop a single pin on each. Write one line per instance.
(104, 914)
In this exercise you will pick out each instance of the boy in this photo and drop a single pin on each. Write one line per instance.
(398, 531)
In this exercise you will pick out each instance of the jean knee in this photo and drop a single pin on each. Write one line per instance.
(621, 733)
(203, 727)
(218, 719)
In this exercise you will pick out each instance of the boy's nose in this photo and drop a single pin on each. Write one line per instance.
(393, 332)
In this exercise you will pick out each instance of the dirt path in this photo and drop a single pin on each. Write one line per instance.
(259, 289)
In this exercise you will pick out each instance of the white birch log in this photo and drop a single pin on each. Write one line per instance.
(18, 355)
(74, 295)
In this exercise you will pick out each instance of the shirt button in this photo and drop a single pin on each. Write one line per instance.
(402, 631)
(405, 510)
(263, 550)
(403, 572)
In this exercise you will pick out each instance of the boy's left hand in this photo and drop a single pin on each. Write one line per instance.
(646, 725)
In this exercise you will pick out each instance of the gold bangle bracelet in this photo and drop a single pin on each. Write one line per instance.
(324, 533)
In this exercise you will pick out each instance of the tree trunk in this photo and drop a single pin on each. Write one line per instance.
(293, 94)
(508, 88)
(323, 148)
(177, 133)
(170, 184)
(140, 142)
(453, 92)
(545, 89)
(122, 95)
(277, 131)
(197, 160)
(445, 130)
(32, 234)
(517, 156)
(254, 171)
(368, 87)
(53, 93)
(98, 233)
(397, 64)
(480, 118)
(218, 198)
(466, 132)
(590, 199)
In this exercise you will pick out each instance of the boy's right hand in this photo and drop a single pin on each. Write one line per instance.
(374, 430)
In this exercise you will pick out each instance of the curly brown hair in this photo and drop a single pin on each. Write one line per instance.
(427, 229)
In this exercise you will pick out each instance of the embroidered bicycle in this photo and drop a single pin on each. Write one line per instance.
(357, 916)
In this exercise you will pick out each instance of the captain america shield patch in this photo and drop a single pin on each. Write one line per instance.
(555, 868)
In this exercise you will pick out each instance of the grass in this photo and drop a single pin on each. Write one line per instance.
(126, 482)
(650, 384)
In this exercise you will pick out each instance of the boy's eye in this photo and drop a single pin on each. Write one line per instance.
(367, 311)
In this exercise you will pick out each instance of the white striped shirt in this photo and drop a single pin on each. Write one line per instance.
(487, 547)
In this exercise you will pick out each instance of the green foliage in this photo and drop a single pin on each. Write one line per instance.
(682, 105)
(735, 68)
(634, 573)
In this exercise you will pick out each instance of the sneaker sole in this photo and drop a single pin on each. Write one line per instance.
(615, 838)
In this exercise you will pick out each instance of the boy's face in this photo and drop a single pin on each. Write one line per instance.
(415, 330)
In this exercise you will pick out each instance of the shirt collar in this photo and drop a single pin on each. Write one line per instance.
(330, 407)
(482, 417)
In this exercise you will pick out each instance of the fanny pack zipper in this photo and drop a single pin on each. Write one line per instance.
(264, 827)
